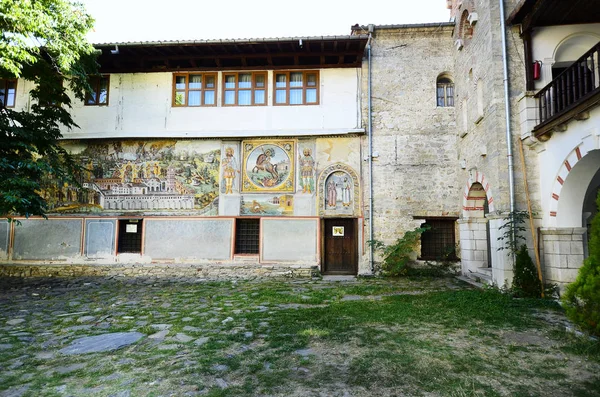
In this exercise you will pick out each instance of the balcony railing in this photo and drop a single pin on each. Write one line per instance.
(574, 86)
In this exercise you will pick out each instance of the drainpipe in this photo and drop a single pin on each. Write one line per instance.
(511, 176)
(370, 134)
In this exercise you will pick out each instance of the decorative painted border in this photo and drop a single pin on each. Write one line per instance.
(581, 149)
(468, 204)
(321, 186)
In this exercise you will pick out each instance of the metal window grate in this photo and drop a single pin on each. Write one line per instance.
(130, 239)
(438, 243)
(247, 236)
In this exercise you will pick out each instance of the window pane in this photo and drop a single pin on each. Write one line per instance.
(180, 82)
(210, 81)
(229, 81)
(280, 96)
(295, 79)
(280, 81)
(295, 97)
(209, 97)
(260, 80)
(103, 100)
(245, 97)
(2, 93)
(311, 80)
(440, 96)
(259, 97)
(179, 98)
(90, 98)
(450, 95)
(311, 95)
(229, 97)
(194, 98)
(12, 92)
(245, 80)
(195, 81)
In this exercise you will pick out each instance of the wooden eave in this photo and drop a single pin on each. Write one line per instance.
(538, 13)
(290, 53)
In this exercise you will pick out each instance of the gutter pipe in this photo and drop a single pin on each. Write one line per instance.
(370, 134)
(511, 172)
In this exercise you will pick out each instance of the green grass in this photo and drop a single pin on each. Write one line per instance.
(427, 336)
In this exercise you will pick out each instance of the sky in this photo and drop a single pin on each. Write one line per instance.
(156, 20)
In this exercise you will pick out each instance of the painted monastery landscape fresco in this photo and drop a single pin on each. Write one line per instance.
(150, 175)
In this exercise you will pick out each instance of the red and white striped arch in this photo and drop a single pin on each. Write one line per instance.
(477, 189)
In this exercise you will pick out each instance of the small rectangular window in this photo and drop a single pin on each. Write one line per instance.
(297, 88)
(244, 89)
(438, 243)
(99, 94)
(8, 92)
(247, 236)
(194, 89)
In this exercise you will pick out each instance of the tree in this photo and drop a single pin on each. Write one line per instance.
(42, 41)
(582, 297)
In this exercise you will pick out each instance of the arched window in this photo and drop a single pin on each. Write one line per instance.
(445, 92)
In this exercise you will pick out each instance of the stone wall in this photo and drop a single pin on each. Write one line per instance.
(562, 250)
(211, 271)
(414, 141)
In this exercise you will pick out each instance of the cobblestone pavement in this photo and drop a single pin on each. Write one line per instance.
(185, 337)
(178, 326)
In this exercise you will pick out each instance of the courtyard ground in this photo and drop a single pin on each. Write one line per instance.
(375, 337)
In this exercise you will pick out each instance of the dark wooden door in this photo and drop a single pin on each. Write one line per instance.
(341, 246)
(130, 236)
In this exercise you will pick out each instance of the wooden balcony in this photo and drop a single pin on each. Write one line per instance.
(570, 94)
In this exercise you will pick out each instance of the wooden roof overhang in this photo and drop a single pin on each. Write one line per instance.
(537, 13)
(246, 54)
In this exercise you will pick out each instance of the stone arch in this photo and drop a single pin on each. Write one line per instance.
(576, 175)
(465, 29)
(473, 204)
(321, 188)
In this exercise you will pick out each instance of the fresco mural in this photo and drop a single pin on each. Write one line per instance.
(268, 166)
(158, 175)
(306, 165)
(339, 191)
(229, 165)
(266, 204)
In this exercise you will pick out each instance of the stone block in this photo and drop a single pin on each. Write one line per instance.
(479, 255)
(467, 255)
(481, 245)
(480, 235)
(574, 261)
(577, 247)
(564, 247)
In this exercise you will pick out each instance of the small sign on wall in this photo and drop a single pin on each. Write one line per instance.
(338, 231)
(129, 228)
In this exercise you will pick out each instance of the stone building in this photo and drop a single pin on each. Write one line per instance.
(290, 154)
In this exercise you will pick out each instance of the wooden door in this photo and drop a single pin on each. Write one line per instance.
(340, 254)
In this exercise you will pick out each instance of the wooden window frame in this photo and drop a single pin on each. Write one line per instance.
(444, 82)
(304, 87)
(4, 83)
(95, 84)
(253, 88)
(187, 89)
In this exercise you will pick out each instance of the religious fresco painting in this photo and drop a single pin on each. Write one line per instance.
(267, 204)
(268, 166)
(230, 170)
(306, 168)
(339, 191)
(159, 175)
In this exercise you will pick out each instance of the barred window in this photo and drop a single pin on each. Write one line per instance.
(247, 236)
(438, 243)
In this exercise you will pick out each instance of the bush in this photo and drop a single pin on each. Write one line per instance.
(397, 256)
(526, 283)
(582, 297)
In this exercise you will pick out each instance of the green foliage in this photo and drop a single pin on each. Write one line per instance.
(397, 256)
(42, 42)
(582, 297)
(511, 231)
(525, 282)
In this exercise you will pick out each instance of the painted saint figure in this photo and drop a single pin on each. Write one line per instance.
(346, 185)
(307, 166)
(331, 194)
(229, 168)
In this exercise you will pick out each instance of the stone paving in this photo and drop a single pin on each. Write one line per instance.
(53, 330)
